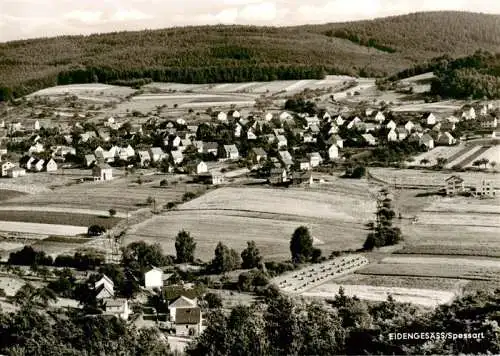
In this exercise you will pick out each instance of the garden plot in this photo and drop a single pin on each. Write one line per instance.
(441, 151)
(486, 263)
(300, 281)
(492, 155)
(440, 107)
(465, 205)
(425, 297)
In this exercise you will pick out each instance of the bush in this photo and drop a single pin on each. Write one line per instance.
(96, 230)
(170, 205)
(163, 183)
(29, 257)
(358, 172)
(188, 196)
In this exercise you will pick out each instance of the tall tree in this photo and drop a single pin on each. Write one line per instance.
(184, 247)
(225, 259)
(301, 245)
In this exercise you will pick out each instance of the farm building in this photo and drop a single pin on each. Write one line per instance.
(354, 123)
(153, 278)
(489, 122)
(117, 307)
(454, 185)
(102, 172)
(336, 140)
(391, 125)
(430, 119)
(222, 116)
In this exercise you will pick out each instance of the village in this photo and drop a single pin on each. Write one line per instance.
(136, 177)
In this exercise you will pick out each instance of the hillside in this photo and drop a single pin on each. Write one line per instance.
(244, 53)
(421, 36)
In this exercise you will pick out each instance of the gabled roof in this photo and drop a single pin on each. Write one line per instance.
(183, 302)
(454, 178)
(259, 151)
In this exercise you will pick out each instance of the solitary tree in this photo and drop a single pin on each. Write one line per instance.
(424, 161)
(441, 162)
(251, 256)
(184, 247)
(112, 212)
(301, 245)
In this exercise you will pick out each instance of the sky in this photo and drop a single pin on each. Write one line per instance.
(20, 19)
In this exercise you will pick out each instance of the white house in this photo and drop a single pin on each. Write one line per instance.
(201, 167)
(446, 139)
(51, 165)
(153, 278)
(315, 159)
(304, 165)
(177, 157)
(339, 120)
(237, 130)
(231, 152)
(36, 148)
(286, 158)
(333, 129)
(285, 116)
(251, 135)
(391, 125)
(38, 165)
(144, 158)
(268, 116)
(156, 154)
(392, 136)
(409, 126)
(469, 114)
(379, 117)
(333, 152)
(354, 123)
(36, 126)
(282, 141)
(102, 172)
(117, 307)
(454, 185)
(222, 116)
(369, 139)
(430, 119)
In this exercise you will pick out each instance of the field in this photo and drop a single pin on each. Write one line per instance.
(334, 214)
(425, 297)
(123, 194)
(90, 92)
(403, 282)
(60, 218)
(45, 229)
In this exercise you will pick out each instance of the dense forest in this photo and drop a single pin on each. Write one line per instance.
(476, 77)
(207, 54)
(278, 325)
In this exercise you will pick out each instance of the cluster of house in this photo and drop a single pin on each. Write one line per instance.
(455, 185)
(185, 316)
(427, 131)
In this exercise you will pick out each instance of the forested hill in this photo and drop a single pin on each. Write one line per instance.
(244, 53)
(422, 35)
